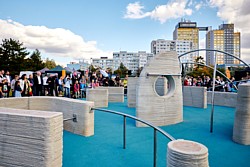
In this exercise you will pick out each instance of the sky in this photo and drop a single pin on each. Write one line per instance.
(69, 31)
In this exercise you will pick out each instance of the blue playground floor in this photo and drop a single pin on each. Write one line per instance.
(104, 149)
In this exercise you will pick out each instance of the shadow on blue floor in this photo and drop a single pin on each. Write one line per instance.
(104, 149)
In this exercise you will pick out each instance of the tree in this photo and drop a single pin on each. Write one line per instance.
(121, 71)
(200, 60)
(36, 61)
(49, 63)
(13, 56)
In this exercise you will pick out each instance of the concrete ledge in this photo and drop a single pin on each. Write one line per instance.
(195, 96)
(223, 99)
(30, 138)
(115, 94)
(98, 96)
(131, 93)
(85, 117)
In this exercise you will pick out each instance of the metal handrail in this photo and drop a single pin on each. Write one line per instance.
(138, 119)
(142, 121)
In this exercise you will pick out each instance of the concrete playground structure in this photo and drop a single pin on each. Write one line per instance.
(151, 104)
(195, 96)
(32, 128)
(187, 153)
(98, 96)
(131, 93)
(241, 130)
(82, 109)
(227, 99)
(115, 94)
(30, 138)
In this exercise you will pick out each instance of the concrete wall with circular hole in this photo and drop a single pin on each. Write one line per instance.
(159, 97)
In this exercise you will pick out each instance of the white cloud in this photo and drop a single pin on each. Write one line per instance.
(134, 11)
(236, 12)
(198, 6)
(172, 10)
(57, 42)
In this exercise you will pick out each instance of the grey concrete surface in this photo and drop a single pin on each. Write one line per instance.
(160, 110)
(227, 99)
(115, 94)
(195, 96)
(241, 130)
(30, 138)
(131, 92)
(98, 96)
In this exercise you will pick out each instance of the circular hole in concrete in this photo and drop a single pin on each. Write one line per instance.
(164, 86)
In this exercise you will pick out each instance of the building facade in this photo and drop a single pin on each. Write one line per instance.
(161, 45)
(132, 60)
(103, 63)
(188, 31)
(224, 39)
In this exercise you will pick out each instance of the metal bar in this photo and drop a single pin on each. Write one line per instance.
(212, 111)
(155, 147)
(214, 50)
(137, 119)
(74, 118)
(124, 132)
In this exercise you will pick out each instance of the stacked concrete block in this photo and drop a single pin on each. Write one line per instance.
(82, 109)
(30, 138)
(241, 130)
(160, 110)
(131, 93)
(186, 153)
(115, 94)
(195, 96)
(98, 96)
(227, 99)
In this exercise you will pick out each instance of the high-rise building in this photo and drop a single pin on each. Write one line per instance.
(224, 39)
(188, 31)
(162, 45)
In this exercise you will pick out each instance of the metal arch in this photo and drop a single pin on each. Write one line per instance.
(213, 50)
(212, 69)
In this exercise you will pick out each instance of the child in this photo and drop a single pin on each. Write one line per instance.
(76, 89)
(18, 89)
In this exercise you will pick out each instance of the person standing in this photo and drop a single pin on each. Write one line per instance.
(38, 83)
(8, 77)
(25, 85)
(17, 89)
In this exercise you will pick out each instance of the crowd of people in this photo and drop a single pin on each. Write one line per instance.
(221, 84)
(42, 85)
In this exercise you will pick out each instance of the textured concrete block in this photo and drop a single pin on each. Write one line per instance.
(98, 96)
(227, 99)
(30, 138)
(241, 130)
(115, 94)
(195, 96)
(186, 153)
(131, 92)
(150, 105)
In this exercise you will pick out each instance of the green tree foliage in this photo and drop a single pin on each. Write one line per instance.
(121, 71)
(36, 60)
(50, 63)
(13, 56)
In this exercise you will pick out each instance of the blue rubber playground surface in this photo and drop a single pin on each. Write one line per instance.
(105, 148)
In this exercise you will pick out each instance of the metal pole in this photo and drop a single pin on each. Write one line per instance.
(212, 111)
(124, 132)
(155, 147)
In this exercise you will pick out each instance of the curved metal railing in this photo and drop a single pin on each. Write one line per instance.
(142, 121)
